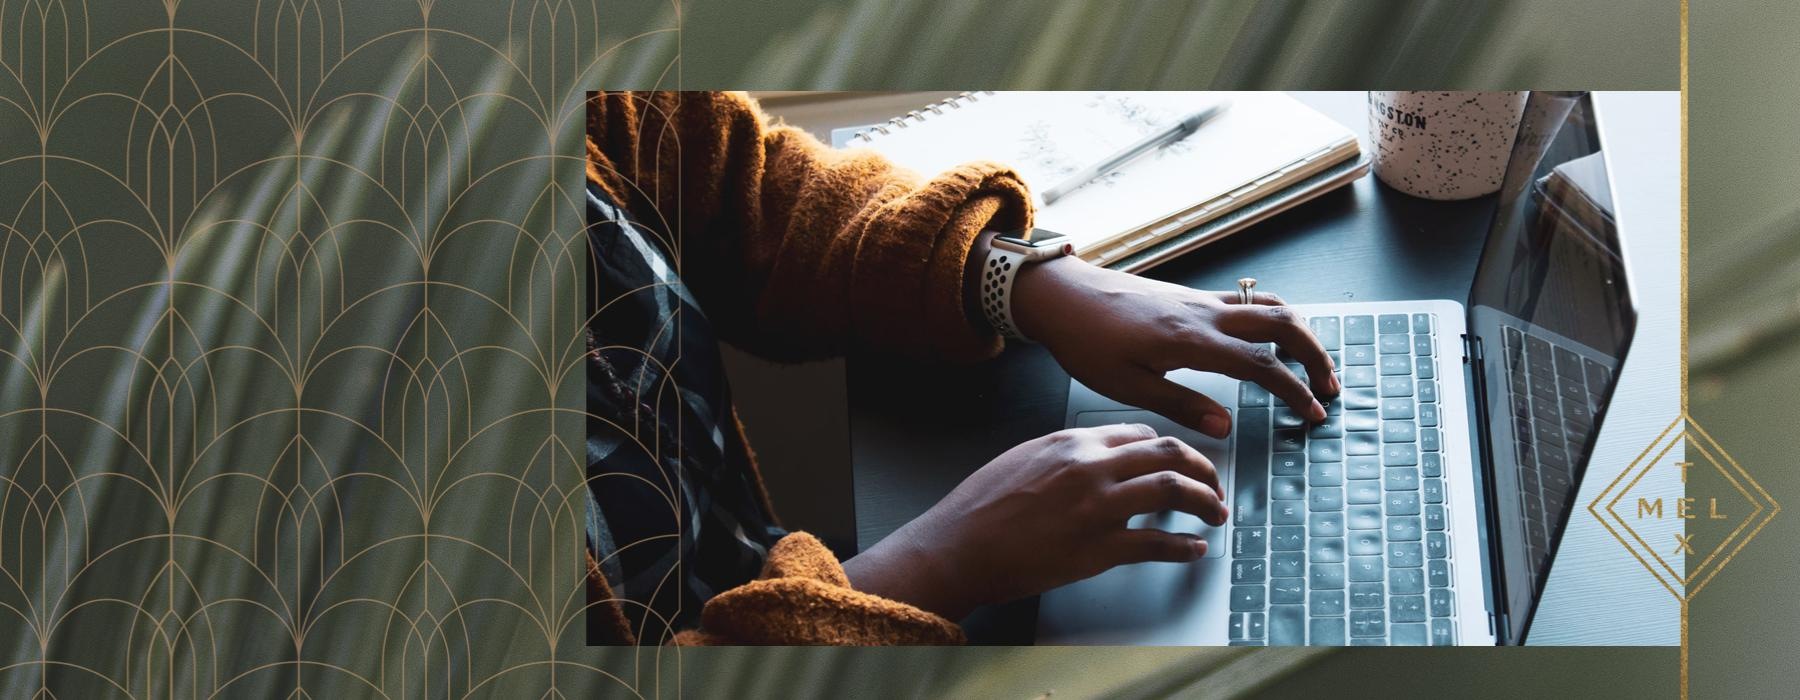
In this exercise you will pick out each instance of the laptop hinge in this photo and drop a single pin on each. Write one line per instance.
(1493, 580)
(1471, 347)
(1477, 360)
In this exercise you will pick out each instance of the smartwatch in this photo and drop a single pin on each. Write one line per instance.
(1009, 254)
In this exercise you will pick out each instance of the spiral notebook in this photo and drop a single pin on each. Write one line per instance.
(1264, 153)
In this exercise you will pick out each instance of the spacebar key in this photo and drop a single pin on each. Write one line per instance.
(1250, 483)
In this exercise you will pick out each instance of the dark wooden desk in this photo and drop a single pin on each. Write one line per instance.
(916, 430)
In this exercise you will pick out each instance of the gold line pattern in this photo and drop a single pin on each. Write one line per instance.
(291, 361)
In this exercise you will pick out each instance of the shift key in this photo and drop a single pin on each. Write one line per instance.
(1250, 495)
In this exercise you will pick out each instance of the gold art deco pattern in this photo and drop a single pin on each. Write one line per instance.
(291, 378)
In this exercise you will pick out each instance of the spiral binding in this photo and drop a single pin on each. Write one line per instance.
(918, 115)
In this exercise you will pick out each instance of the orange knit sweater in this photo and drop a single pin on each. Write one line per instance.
(797, 251)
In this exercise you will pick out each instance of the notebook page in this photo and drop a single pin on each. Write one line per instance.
(1048, 136)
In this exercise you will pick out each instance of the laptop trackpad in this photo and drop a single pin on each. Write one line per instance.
(1218, 451)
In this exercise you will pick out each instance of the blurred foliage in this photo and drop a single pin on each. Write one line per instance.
(1744, 323)
(1269, 44)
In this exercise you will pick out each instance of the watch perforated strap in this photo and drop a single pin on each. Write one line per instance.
(997, 276)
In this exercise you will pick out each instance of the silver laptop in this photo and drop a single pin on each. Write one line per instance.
(1427, 509)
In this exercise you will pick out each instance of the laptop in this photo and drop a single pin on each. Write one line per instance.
(1428, 508)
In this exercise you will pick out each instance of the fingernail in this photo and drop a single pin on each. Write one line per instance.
(1199, 547)
(1337, 385)
(1215, 425)
(1318, 411)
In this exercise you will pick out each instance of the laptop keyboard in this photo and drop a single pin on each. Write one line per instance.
(1554, 393)
(1340, 530)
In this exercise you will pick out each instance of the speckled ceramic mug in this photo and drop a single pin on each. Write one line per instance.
(1443, 145)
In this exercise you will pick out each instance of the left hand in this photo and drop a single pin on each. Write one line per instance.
(1050, 511)
(1119, 334)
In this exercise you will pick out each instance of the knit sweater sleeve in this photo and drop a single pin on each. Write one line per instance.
(797, 251)
(804, 598)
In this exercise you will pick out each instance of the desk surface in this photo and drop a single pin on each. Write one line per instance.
(918, 429)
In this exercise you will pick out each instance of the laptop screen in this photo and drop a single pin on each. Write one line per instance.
(1554, 317)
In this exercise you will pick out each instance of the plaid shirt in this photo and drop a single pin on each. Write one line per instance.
(674, 513)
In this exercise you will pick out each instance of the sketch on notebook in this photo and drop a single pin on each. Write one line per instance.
(1041, 152)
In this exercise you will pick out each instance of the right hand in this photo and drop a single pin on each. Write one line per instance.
(1120, 334)
(1045, 513)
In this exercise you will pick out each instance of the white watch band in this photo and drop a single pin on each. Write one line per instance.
(1007, 257)
(997, 275)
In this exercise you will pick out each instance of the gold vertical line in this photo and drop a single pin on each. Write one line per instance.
(1684, 298)
(1684, 648)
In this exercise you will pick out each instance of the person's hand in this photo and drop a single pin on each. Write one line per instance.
(1120, 333)
(1045, 513)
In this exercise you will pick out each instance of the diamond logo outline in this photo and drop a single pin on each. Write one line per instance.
(1691, 432)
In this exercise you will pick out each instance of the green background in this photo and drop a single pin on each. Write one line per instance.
(1742, 219)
